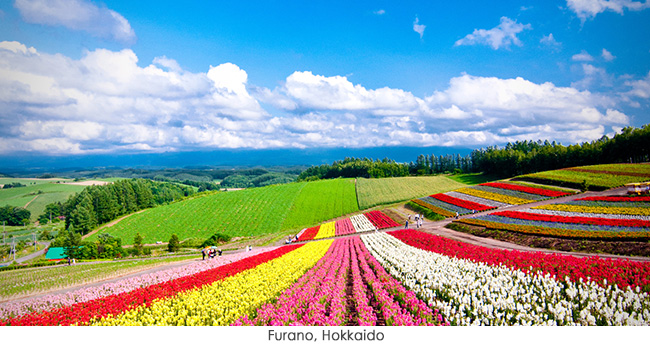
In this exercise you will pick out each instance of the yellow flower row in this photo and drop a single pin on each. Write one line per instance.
(494, 196)
(326, 230)
(597, 210)
(226, 300)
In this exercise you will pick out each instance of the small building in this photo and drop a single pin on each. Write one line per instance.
(638, 188)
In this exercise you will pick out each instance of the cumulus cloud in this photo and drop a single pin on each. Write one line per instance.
(607, 55)
(550, 41)
(104, 102)
(586, 9)
(419, 28)
(80, 15)
(583, 56)
(502, 36)
(379, 12)
(639, 88)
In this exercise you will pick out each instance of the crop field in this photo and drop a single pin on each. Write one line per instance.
(321, 201)
(405, 277)
(241, 213)
(596, 176)
(17, 283)
(372, 192)
(585, 218)
(38, 193)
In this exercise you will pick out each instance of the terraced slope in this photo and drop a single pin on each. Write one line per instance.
(598, 177)
(372, 192)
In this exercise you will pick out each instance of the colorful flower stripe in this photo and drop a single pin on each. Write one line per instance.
(224, 301)
(317, 298)
(471, 293)
(609, 204)
(380, 220)
(620, 173)
(527, 189)
(309, 234)
(20, 307)
(559, 232)
(398, 305)
(479, 200)
(494, 196)
(83, 312)
(433, 208)
(327, 230)
(615, 199)
(567, 213)
(508, 192)
(362, 224)
(597, 210)
(344, 227)
(561, 225)
(446, 206)
(573, 219)
(461, 203)
(623, 273)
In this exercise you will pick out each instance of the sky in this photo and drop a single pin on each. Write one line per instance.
(80, 77)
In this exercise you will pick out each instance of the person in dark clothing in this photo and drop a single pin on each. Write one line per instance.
(203, 253)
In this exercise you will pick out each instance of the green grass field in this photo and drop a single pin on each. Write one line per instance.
(614, 168)
(372, 192)
(321, 201)
(50, 192)
(241, 213)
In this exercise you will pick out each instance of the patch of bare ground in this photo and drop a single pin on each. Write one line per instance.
(353, 316)
(624, 248)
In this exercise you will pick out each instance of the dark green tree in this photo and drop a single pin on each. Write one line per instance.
(174, 244)
(137, 245)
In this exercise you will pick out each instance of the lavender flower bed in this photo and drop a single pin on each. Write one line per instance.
(594, 215)
(475, 199)
(447, 206)
(560, 225)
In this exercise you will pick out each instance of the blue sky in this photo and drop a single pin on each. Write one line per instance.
(80, 76)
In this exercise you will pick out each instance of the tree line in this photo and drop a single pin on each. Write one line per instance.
(521, 157)
(99, 204)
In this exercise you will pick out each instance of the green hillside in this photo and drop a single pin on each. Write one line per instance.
(37, 193)
(241, 213)
(372, 192)
(597, 177)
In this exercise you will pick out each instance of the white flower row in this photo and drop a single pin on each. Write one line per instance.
(569, 213)
(475, 199)
(361, 223)
(469, 293)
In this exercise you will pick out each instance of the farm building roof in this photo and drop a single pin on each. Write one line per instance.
(56, 253)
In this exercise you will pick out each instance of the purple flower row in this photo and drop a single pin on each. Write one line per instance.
(549, 224)
(593, 215)
(475, 199)
(446, 206)
(507, 192)
(610, 204)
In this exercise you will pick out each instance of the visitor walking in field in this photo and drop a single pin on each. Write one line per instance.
(203, 253)
(406, 226)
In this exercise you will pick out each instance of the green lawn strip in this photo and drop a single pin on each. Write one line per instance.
(575, 178)
(17, 283)
(372, 192)
(236, 213)
(472, 178)
(321, 201)
(635, 168)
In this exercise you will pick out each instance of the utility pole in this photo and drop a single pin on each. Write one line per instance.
(34, 240)
(13, 247)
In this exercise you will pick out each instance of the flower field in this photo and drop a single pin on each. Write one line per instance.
(484, 197)
(403, 278)
(599, 177)
(355, 224)
(613, 217)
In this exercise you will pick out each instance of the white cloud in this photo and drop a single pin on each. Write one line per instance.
(607, 55)
(583, 56)
(586, 9)
(502, 36)
(379, 12)
(78, 15)
(419, 28)
(550, 41)
(104, 102)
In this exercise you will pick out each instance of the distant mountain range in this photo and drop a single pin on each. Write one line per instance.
(217, 158)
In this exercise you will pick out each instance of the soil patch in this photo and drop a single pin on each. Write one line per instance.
(625, 248)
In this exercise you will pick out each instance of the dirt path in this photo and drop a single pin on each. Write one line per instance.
(30, 202)
(111, 224)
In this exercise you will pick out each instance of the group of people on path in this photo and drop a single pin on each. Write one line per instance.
(210, 252)
(418, 218)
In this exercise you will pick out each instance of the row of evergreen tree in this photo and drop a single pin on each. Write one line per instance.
(99, 204)
(14, 216)
(520, 157)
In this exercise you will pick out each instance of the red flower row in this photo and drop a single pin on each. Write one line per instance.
(527, 189)
(616, 199)
(461, 202)
(616, 271)
(309, 234)
(81, 313)
(380, 220)
(597, 221)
